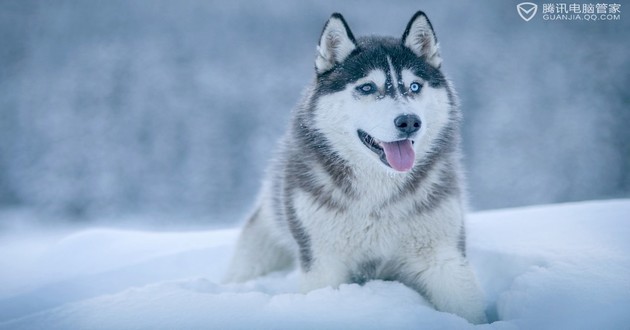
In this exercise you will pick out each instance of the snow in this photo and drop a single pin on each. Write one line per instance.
(563, 266)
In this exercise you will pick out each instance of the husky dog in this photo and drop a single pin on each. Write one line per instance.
(366, 183)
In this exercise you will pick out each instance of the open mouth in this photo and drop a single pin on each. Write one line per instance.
(398, 155)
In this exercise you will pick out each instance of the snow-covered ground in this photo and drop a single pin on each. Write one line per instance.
(564, 266)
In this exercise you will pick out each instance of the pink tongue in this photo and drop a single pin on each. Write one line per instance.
(399, 154)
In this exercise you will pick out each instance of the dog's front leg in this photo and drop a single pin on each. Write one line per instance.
(445, 278)
(323, 273)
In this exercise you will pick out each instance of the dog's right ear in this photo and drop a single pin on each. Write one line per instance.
(335, 44)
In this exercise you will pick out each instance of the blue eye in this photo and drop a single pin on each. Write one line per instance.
(367, 89)
(415, 87)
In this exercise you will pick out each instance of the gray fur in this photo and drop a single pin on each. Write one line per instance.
(332, 201)
(366, 271)
(300, 235)
(461, 243)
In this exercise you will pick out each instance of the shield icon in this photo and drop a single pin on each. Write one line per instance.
(526, 10)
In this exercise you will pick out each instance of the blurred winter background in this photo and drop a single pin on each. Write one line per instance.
(169, 109)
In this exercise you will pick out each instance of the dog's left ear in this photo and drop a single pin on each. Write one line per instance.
(335, 43)
(420, 38)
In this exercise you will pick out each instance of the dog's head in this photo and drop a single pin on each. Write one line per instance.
(380, 97)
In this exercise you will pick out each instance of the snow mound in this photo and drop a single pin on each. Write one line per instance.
(561, 266)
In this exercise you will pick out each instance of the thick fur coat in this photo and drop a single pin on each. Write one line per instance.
(366, 184)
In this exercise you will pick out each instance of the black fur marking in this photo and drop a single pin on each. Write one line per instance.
(366, 271)
(332, 43)
(371, 144)
(409, 60)
(345, 25)
(390, 86)
(311, 151)
(425, 42)
(434, 199)
(412, 20)
(314, 147)
(299, 233)
(371, 53)
(461, 242)
(302, 174)
(446, 186)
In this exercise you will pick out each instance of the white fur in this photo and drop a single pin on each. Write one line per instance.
(334, 45)
(421, 40)
(422, 248)
(339, 243)
(340, 115)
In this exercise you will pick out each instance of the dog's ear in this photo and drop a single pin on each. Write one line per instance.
(335, 43)
(420, 38)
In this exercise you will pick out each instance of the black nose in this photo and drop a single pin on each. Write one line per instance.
(407, 124)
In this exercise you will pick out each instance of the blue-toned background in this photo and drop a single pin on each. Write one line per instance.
(118, 108)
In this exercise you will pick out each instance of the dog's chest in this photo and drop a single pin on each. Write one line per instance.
(364, 227)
